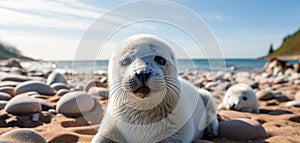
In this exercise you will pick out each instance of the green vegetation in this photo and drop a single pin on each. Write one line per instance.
(7, 51)
(290, 46)
(271, 50)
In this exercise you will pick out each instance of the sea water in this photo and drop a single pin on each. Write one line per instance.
(200, 65)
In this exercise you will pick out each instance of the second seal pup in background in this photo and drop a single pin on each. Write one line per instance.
(148, 102)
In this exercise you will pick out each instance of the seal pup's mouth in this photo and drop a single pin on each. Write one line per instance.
(142, 92)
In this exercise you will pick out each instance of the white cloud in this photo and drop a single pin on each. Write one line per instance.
(41, 46)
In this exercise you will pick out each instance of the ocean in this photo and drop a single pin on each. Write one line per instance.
(200, 65)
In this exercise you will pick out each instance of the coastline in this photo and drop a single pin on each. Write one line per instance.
(277, 117)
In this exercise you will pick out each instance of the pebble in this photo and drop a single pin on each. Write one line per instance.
(74, 103)
(79, 87)
(280, 80)
(293, 104)
(264, 95)
(281, 98)
(58, 86)
(241, 129)
(211, 84)
(62, 92)
(56, 77)
(37, 86)
(23, 135)
(99, 91)
(9, 90)
(52, 111)
(23, 105)
(15, 78)
(2, 104)
(9, 83)
(4, 96)
(93, 83)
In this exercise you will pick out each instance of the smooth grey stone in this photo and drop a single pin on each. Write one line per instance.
(23, 135)
(2, 104)
(280, 80)
(264, 95)
(8, 89)
(36, 86)
(75, 103)
(56, 77)
(4, 96)
(62, 92)
(9, 83)
(93, 83)
(58, 86)
(241, 129)
(98, 91)
(293, 104)
(52, 111)
(15, 78)
(211, 84)
(23, 105)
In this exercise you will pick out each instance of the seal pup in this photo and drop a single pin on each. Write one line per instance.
(240, 97)
(147, 100)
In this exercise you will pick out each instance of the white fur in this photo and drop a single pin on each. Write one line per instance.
(129, 119)
(233, 99)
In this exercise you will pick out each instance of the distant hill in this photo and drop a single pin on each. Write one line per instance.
(7, 51)
(289, 49)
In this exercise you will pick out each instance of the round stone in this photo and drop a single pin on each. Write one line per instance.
(93, 83)
(74, 103)
(8, 89)
(241, 129)
(98, 91)
(264, 95)
(37, 86)
(56, 77)
(23, 135)
(62, 92)
(9, 83)
(293, 104)
(23, 105)
(4, 96)
(15, 78)
(52, 111)
(2, 104)
(58, 86)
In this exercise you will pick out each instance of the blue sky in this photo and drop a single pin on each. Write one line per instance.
(52, 30)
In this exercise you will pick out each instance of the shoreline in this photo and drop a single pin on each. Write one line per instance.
(278, 119)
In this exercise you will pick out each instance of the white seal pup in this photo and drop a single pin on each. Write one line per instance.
(240, 97)
(147, 100)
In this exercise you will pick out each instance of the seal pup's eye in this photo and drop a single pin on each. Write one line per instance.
(162, 61)
(126, 62)
(245, 98)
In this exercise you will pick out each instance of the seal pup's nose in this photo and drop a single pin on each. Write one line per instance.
(232, 107)
(143, 76)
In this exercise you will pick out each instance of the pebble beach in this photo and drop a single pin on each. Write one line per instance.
(49, 106)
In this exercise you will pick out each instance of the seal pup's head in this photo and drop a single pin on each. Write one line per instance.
(143, 73)
(240, 97)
